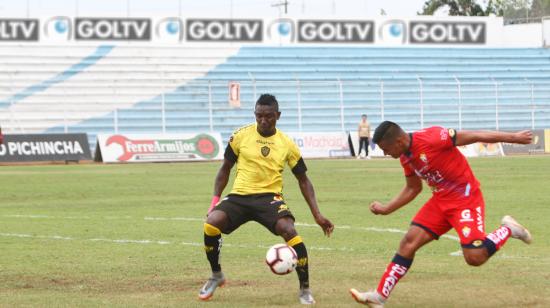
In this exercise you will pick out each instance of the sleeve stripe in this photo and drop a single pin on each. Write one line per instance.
(229, 154)
(300, 167)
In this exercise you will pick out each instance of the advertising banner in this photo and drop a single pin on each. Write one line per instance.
(335, 31)
(158, 147)
(537, 147)
(125, 29)
(482, 149)
(45, 147)
(225, 30)
(547, 140)
(19, 30)
(322, 145)
(170, 29)
(374, 150)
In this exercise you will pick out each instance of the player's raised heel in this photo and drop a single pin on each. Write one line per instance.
(518, 231)
(207, 290)
(371, 298)
(305, 296)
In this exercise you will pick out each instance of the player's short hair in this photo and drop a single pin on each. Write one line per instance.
(268, 100)
(364, 115)
(386, 131)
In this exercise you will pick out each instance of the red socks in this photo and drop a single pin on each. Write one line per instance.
(395, 271)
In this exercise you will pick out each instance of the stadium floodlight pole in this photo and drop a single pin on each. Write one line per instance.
(496, 102)
(459, 92)
(532, 102)
(421, 101)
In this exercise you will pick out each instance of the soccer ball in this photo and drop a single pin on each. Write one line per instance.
(281, 259)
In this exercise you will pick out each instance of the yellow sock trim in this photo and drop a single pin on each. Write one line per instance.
(210, 230)
(295, 241)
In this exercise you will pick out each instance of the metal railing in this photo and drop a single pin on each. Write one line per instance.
(327, 105)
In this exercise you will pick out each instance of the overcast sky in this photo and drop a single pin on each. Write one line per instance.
(215, 8)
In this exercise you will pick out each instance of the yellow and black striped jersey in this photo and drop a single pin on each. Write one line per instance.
(261, 160)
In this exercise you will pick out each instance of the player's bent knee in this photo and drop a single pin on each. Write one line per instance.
(475, 258)
(285, 228)
(217, 219)
(474, 261)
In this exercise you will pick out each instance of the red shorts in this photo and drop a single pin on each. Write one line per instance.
(466, 216)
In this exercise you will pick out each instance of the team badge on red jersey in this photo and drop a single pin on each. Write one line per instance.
(424, 158)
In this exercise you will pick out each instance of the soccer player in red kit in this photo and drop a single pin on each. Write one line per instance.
(431, 154)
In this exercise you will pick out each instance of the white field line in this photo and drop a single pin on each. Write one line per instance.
(372, 229)
(345, 227)
(160, 242)
(157, 242)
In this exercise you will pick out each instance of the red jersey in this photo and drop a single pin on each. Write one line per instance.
(432, 156)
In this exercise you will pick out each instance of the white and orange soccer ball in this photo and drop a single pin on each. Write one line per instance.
(281, 259)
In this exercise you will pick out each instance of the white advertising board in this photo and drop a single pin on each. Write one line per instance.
(120, 148)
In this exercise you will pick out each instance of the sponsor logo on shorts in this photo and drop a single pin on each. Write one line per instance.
(466, 216)
(282, 208)
(479, 218)
(477, 243)
(466, 231)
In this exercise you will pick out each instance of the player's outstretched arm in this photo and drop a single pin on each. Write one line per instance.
(306, 187)
(412, 188)
(221, 181)
(466, 137)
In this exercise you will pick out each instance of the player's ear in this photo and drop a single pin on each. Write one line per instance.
(402, 141)
(278, 115)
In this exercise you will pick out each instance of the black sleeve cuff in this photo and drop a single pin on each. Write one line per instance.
(229, 154)
(300, 167)
(452, 134)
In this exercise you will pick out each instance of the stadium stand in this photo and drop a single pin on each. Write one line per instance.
(139, 89)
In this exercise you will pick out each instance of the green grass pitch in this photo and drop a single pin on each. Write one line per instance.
(131, 236)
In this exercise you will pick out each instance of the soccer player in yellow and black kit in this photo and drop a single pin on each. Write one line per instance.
(261, 152)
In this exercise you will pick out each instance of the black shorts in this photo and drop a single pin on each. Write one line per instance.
(265, 209)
